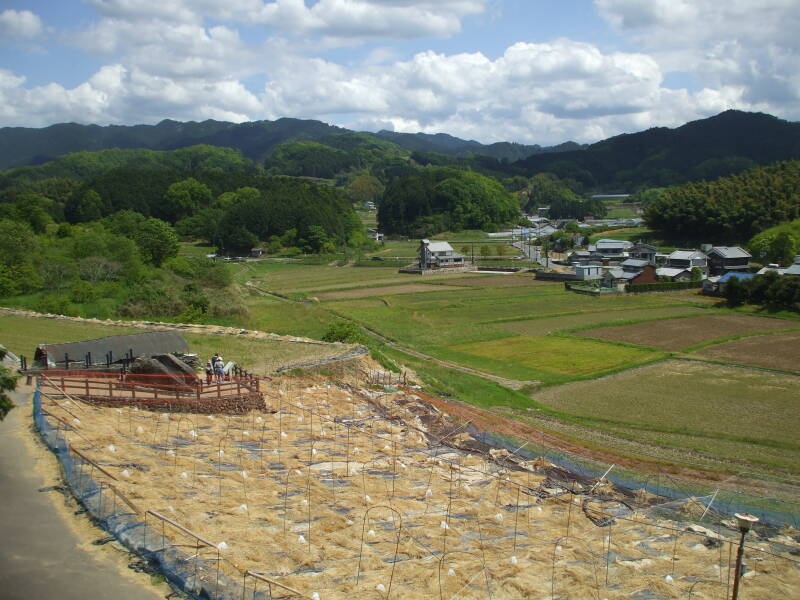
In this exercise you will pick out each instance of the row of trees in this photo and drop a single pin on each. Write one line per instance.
(770, 289)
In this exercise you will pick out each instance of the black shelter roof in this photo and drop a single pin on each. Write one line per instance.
(151, 342)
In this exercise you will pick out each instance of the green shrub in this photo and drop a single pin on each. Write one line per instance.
(346, 332)
(662, 286)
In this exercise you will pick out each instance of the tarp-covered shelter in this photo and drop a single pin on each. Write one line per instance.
(120, 347)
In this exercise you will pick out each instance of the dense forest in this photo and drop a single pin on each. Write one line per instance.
(729, 209)
(101, 229)
(444, 199)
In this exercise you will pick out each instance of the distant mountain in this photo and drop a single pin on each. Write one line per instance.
(25, 146)
(725, 144)
(444, 143)
(20, 146)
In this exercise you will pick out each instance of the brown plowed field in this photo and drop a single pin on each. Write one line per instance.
(781, 351)
(677, 334)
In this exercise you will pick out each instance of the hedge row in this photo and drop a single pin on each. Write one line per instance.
(663, 286)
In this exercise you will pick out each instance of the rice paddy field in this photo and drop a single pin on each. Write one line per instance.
(515, 327)
(704, 408)
(679, 334)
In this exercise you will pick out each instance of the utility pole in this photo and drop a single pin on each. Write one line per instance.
(745, 521)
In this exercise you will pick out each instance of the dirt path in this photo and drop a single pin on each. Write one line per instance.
(47, 552)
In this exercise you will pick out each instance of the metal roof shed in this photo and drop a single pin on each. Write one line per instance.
(151, 342)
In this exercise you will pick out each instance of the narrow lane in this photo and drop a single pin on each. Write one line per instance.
(41, 555)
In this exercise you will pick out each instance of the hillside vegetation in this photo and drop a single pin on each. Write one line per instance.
(730, 208)
(728, 143)
(443, 199)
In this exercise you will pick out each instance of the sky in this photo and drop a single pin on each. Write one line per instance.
(529, 71)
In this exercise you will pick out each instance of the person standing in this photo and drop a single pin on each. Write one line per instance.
(219, 368)
(209, 371)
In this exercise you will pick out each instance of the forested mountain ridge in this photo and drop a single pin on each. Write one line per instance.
(20, 146)
(449, 145)
(725, 144)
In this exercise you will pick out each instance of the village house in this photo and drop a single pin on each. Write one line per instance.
(438, 255)
(687, 260)
(722, 259)
(376, 235)
(611, 249)
(674, 273)
(643, 251)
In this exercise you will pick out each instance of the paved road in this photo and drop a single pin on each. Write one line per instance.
(40, 555)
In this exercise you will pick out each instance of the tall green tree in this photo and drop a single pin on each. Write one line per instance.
(157, 241)
(8, 383)
(183, 199)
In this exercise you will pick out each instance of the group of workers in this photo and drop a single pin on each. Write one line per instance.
(215, 368)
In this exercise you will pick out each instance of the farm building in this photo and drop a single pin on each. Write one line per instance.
(647, 274)
(722, 259)
(588, 272)
(111, 349)
(438, 255)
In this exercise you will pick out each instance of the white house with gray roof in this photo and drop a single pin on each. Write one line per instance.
(438, 255)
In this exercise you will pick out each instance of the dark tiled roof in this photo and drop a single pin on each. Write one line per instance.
(151, 342)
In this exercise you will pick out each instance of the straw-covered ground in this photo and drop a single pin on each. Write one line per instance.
(345, 492)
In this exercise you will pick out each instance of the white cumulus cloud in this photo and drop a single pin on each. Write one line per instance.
(748, 45)
(19, 24)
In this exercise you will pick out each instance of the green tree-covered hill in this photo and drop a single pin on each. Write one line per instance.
(729, 209)
(728, 143)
